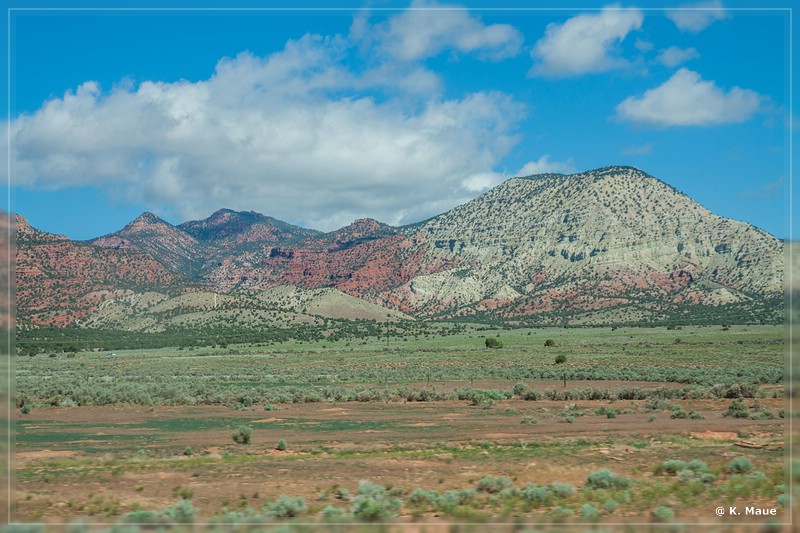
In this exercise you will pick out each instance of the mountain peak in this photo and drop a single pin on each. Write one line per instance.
(147, 218)
(363, 228)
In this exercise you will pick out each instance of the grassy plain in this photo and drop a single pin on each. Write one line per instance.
(433, 420)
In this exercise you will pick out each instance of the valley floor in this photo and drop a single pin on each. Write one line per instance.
(483, 450)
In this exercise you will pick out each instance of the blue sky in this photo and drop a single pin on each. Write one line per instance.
(389, 110)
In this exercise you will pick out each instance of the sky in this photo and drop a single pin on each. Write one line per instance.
(389, 110)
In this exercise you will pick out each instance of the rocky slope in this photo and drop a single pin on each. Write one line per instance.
(59, 281)
(229, 229)
(609, 245)
(277, 307)
(605, 238)
(176, 249)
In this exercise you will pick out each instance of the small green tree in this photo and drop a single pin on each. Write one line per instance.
(242, 435)
(549, 342)
(281, 445)
(561, 359)
(493, 342)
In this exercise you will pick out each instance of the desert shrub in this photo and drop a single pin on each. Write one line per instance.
(589, 511)
(510, 492)
(451, 499)
(185, 493)
(605, 411)
(766, 414)
(707, 477)
(606, 479)
(285, 507)
(141, 516)
(520, 389)
(671, 466)
(610, 505)
(532, 395)
(663, 514)
(25, 409)
(740, 465)
(698, 466)
(694, 415)
(423, 497)
(493, 342)
(281, 445)
(373, 503)
(530, 420)
(737, 409)
(561, 512)
(549, 342)
(560, 359)
(493, 484)
(242, 435)
(757, 477)
(236, 517)
(678, 412)
(686, 475)
(535, 493)
(331, 511)
(180, 513)
(562, 490)
(657, 404)
(486, 403)
(188, 451)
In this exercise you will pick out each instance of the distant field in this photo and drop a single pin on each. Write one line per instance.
(431, 421)
(315, 371)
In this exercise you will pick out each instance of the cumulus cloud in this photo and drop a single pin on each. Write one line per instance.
(288, 135)
(482, 181)
(545, 166)
(694, 18)
(674, 56)
(687, 100)
(585, 43)
(422, 32)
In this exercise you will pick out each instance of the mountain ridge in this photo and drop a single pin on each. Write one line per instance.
(547, 245)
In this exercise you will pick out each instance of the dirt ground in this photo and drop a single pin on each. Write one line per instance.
(107, 461)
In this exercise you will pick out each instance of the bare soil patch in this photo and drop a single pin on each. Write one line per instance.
(135, 457)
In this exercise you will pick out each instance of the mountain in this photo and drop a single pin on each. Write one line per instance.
(612, 237)
(199, 246)
(605, 246)
(362, 259)
(176, 249)
(229, 229)
(59, 281)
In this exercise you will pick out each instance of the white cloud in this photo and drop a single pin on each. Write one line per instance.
(545, 166)
(643, 149)
(419, 33)
(694, 18)
(674, 56)
(585, 43)
(643, 46)
(687, 100)
(482, 181)
(286, 135)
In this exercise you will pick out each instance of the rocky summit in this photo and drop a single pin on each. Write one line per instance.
(612, 245)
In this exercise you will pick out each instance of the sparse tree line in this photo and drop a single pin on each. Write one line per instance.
(172, 392)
